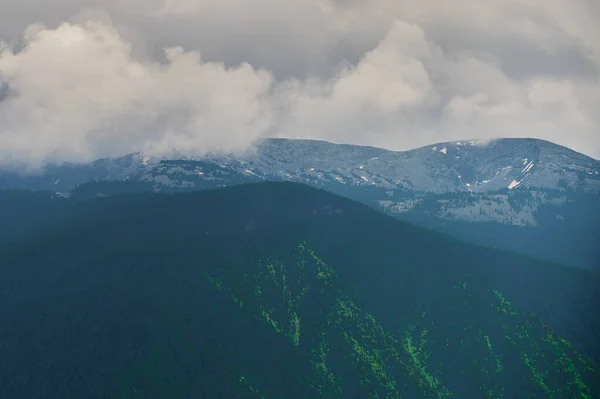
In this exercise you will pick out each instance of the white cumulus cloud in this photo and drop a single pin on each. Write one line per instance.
(91, 78)
(76, 93)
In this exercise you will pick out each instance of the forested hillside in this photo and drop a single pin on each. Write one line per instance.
(277, 290)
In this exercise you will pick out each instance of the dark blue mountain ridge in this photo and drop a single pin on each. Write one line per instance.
(526, 195)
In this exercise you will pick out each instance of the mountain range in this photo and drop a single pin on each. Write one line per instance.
(523, 195)
(277, 290)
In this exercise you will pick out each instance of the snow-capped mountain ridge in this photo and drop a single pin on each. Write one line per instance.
(505, 184)
(442, 167)
(459, 166)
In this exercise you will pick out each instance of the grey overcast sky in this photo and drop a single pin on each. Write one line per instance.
(91, 78)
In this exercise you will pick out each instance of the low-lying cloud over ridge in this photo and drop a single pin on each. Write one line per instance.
(78, 83)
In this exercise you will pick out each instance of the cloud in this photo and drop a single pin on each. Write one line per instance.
(371, 99)
(104, 78)
(410, 91)
(76, 93)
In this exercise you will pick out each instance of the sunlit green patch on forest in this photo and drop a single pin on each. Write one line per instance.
(345, 341)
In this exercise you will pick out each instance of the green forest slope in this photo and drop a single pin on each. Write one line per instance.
(277, 290)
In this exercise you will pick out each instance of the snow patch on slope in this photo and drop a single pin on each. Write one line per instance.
(513, 184)
(399, 206)
(528, 167)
